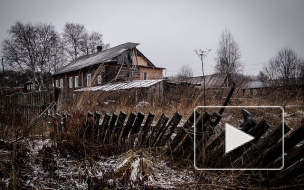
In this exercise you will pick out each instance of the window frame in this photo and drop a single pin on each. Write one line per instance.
(99, 79)
(61, 83)
(70, 82)
(76, 81)
(89, 79)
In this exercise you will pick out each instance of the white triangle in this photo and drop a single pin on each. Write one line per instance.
(235, 138)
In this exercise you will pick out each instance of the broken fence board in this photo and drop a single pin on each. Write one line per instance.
(228, 159)
(292, 157)
(262, 145)
(156, 130)
(117, 129)
(276, 150)
(111, 126)
(145, 130)
(96, 126)
(288, 174)
(168, 130)
(182, 132)
(104, 126)
(127, 128)
(137, 124)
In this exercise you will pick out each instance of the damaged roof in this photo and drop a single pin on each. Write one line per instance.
(122, 85)
(96, 58)
(211, 81)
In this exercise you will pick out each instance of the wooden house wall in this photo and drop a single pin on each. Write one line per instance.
(152, 73)
(141, 61)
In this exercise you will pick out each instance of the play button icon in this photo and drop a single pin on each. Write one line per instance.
(235, 138)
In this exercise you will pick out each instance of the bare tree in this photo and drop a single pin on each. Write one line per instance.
(228, 55)
(91, 41)
(74, 36)
(58, 56)
(262, 77)
(184, 72)
(29, 48)
(79, 42)
(284, 68)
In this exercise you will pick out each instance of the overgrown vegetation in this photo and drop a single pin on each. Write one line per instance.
(70, 157)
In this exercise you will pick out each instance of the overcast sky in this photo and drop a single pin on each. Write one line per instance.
(170, 31)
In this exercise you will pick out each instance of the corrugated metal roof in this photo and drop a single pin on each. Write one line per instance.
(122, 85)
(211, 81)
(95, 58)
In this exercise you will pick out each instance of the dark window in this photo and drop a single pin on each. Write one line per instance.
(145, 76)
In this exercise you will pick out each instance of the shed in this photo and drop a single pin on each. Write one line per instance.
(214, 81)
(142, 89)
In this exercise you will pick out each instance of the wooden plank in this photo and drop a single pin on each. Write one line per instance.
(291, 158)
(228, 159)
(201, 126)
(127, 128)
(156, 130)
(134, 139)
(288, 174)
(203, 133)
(103, 127)
(182, 131)
(184, 144)
(110, 129)
(95, 134)
(88, 126)
(209, 122)
(117, 129)
(215, 154)
(137, 124)
(169, 129)
(215, 143)
(262, 145)
(275, 151)
(145, 129)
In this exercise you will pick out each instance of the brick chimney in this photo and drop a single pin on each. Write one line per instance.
(99, 48)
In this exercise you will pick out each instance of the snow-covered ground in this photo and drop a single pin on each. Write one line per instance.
(46, 168)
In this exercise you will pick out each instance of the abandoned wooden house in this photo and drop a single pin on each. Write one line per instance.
(252, 88)
(212, 82)
(121, 63)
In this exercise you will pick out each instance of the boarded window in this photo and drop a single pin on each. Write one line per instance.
(61, 83)
(99, 80)
(76, 81)
(89, 77)
(70, 82)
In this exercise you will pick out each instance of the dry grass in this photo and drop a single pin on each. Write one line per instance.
(80, 147)
(184, 100)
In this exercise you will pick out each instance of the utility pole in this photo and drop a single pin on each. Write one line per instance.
(201, 54)
(2, 65)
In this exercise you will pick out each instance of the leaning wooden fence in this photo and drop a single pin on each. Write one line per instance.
(119, 133)
(23, 107)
